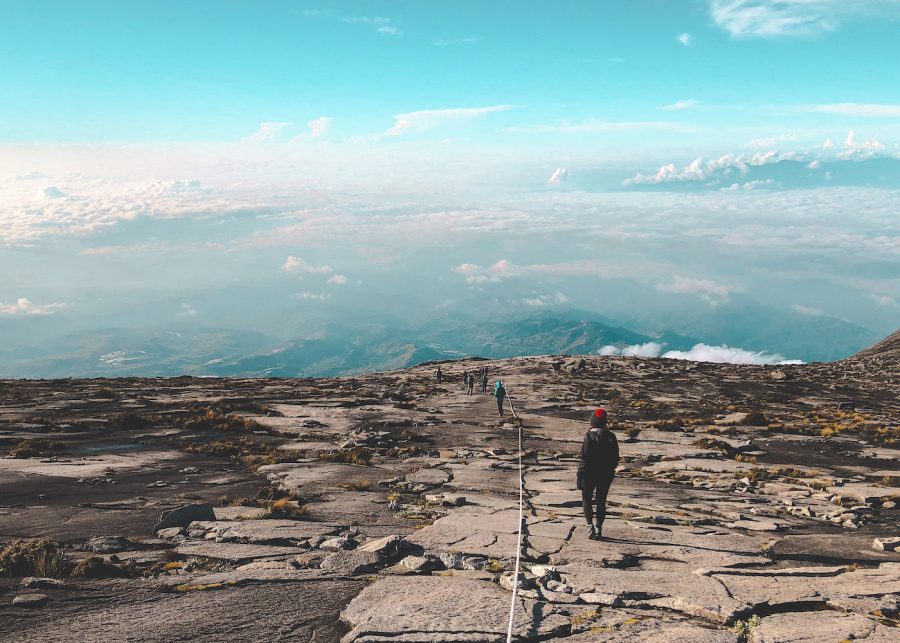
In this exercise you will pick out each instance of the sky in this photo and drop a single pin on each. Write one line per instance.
(625, 158)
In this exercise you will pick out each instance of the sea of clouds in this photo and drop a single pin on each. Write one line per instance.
(699, 353)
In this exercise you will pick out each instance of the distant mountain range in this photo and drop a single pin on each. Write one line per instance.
(336, 349)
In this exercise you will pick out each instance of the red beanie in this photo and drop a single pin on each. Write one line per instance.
(598, 418)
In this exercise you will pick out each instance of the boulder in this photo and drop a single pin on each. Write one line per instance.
(185, 515)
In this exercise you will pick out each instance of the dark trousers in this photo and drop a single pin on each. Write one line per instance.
(500, 406)
(591, 490)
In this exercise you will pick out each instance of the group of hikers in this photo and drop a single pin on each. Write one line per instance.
(481, 375)
(598, 461)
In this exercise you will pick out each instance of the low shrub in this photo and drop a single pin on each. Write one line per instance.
(35, 448)
(33, 558)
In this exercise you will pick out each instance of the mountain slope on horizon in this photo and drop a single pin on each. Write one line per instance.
(347, 350)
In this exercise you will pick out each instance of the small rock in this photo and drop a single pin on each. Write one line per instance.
(886, 544)
(506, 582)
(558, 587)
(338, 544)
(30, 600)
(266, 564)
(32, 582)
(421, 563)
(386, 547)
(108, 544)
(352, 562)
(598, 598)
(452, 560)
(169, 532)
(185, 515)
(310, 560)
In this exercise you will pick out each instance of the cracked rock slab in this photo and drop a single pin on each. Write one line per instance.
(431, 609)
(816, 627)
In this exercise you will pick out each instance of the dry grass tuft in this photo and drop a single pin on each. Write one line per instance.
(356, 455)
(286, 508)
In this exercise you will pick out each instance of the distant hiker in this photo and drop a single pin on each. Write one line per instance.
(484, 381)
(465, 380)
(500, 394)
(471, 384)
(439, 375)
(596, 470)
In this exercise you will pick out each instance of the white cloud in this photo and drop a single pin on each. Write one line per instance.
(268, 131)
(687, 103)
(828, 144)
(187, 310)
(337, 280)
(806, 310)
(25, 307)
(52, 192)
(559, 176)
(319, 126)
(728, 355)
(382, 25)
(648, 350)
(318, 296)
(856, 149)
(749, 185)
(701, 170)
(699, 353)
(706, 289)
(545, 300)
(498, 271)
(686, 39)
(429, 119)
(296, 264)
(774, 18)
(814, 165)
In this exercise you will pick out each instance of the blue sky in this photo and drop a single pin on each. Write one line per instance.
(636, 159)
(212, 71)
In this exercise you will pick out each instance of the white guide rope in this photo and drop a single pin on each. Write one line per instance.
(515, 586)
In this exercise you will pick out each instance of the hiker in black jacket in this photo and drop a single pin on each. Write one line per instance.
(596, 470)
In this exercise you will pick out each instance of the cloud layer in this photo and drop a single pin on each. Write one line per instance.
(699, 353)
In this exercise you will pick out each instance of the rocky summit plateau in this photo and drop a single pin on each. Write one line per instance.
(752, 503)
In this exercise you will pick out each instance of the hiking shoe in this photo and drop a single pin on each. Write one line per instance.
(591, 532)
(598, 534)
